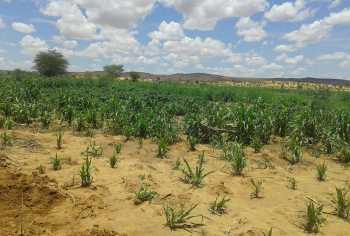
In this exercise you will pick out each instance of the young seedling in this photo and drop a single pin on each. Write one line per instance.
(56, 163)
(144, 194)
(192, 142)
(179, 218)
(292, 183)
(218, 207)
(344, 156)
(237, 160)
(6, 139)
(41, 169)
(162, 148)
(59, 139)
(321, 171)
(196, 176)
(268, 233)
(256, 144)
(113, 161)
(85, 172)
(177, 164)
(117, 148)
(314, 218)
(257, 188)
(93, 150)
(342, 203)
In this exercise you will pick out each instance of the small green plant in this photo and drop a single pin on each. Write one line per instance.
(8, 124)
(117, 148)
(59, 139)
(192, 142)
(256, 144)
(179, 218)
(177, 164)
(237, 159)
(162, 148)
(292, 183)
(41, 169)
(314, 218)
(344, 155)
(113, 161)
(321, 171)
(342, 203)
(56, 163)
(196, 176)
(257, 187)
(144, 194)
(292, 152)
(6, 139)
(140, 142)
(268, 233)
(85, 172)
(93, 150)
(218, 207)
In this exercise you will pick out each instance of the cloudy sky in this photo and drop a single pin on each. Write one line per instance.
(262, 38)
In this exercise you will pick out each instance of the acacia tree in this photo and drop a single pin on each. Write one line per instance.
(50, 63)
(113, 70)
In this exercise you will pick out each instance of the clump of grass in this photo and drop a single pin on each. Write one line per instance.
(162, 148)
(256, 144)
(344, 155)
(268, 233)
(321, 171)
(93, 149)
(56, 163)
(144, 194)
(85, 172)
(218, 207)
(342, 203)
(6, 139)
(257, 187)
(41, 169)
(113, 161)
(292, 183)
(117, 148)
(179, 218)
(314, 218)
(59, 139)
(195, 176)
(292, 152)
(8, 124)
(237, 159)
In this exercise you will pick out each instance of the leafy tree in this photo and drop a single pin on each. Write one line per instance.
(113, 70)
(134, 76)
(50, 63)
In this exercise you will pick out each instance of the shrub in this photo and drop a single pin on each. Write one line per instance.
(134, 76)
(113, 70)
(218, 207)
(50, 63)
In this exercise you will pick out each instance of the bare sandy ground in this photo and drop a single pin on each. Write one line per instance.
(53, 203)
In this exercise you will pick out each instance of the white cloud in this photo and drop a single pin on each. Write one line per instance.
(250, 31)
(2, 23)
(284, 48)
(72, 22)
(335, 3)
(32, 45)
(288, 11)
(23, 28)
(334, 56)
(318, 30)
(294, 60)
(167, 31)
(68, 44)
(204, 14)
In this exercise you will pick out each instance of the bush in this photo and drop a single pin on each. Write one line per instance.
(134, 76)
(50, 63)
(113, 70)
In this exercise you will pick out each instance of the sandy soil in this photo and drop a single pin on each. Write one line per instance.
(53, 203)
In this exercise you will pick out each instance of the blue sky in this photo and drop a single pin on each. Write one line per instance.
(251, 38)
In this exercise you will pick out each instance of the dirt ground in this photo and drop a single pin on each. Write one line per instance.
(53, 203)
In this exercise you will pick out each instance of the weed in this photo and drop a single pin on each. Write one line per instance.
(257, 187)
(195, 177)
(56, 163)
(344, 155)
(218, 207)
(268, 233)
(144, 194)
(117, 148)
(162, 148)
(314, 218)
(192, 142)
(59, 139)
(179, 218)
(93, 150)
(292, 152)
(292, 183)
(321, 171)
(237, 159)
(177, 164)
(6, 139)
(8, 124)
(113, 161)
(342, 203)
(85, 172)
(41, 169)
(256, 144)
